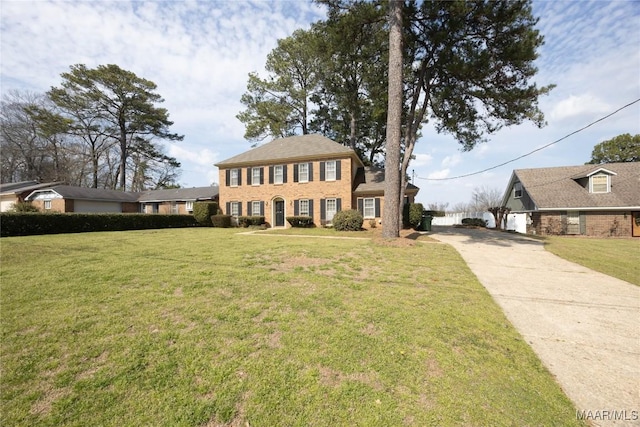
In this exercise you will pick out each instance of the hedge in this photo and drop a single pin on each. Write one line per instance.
(247, 221)
(203, 211)
(302, 221)
(221, 221)
(474, 222)
(25, 224)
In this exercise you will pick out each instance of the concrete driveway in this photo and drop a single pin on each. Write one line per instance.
(584, 325)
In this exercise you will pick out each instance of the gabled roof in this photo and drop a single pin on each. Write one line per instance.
(83, 193)
(293, 148)
(370, 180)
(179, 194)
(560, 187)
(23, 186)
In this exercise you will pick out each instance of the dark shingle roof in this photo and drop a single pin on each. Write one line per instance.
(291, 148)
(83, 193)
(370, 180)
(179, 194)
(23, 186)
(558, 187)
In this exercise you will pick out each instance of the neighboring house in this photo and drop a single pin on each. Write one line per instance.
(66, 198)
(13, 192)
(175, 200)
(593, 200)
(307, 175)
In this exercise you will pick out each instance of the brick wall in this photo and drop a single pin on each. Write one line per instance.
(596, 223)
(314, 190)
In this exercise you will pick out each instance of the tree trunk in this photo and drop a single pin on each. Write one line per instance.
(123, 156)
(391, 215)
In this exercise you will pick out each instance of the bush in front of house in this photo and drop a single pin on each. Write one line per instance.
(348, 220)
(221, 221)
(26, 224)
(474, 222)
(203, 211)
(301, 221)
(22, 206)
(248, 221)
(415, 214)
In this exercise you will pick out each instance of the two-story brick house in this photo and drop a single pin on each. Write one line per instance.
(307, 175)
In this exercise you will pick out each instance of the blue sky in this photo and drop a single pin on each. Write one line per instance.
(200, 53)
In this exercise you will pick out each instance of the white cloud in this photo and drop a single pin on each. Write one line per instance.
(452, 160)
(582, 105)
(443, 173)
(421, 160)
(203, 157)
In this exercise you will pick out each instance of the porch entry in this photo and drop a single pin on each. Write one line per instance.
(278, 212)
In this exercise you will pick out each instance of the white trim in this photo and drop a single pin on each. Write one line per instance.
(601, 170)
(53, 194)
(603, 208)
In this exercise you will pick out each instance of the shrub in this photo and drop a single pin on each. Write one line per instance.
(221, 221)
(348, 220)
(300, 221)
(246, 221)
(474, 222)
(372, 223)
(203, 211)
(415, 214)
(23, 206)
(25, 224)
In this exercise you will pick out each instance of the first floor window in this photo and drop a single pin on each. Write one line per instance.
(235, 209)
(255, 209)
(189, 206)
(369, 208)
(304, 207)
(174, 208)
(47, 204)
(332, 208)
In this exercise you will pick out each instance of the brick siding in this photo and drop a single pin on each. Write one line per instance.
(596, 223)
(314, 189)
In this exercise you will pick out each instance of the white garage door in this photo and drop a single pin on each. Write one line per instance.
(86, 206)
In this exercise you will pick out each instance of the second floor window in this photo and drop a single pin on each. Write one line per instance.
(233, 177)
(330, 171)
(303, 172)
(278, 174)
(255, 176)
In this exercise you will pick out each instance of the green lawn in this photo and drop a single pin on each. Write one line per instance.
(616, 257)
(207, 327)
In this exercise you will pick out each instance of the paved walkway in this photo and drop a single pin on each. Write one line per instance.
(584, 325)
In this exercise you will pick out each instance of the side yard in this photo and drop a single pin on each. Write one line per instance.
(208, 327)
(619, 258)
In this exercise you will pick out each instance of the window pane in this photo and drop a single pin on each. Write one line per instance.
(599, 183)
(369, 210)
(304, 207)
(330, 171)
(277, 172)
(303, 172)
(255, 176)
(235, 211)
(517, 190)
(331, 209)
(255, 209)
(234, 177)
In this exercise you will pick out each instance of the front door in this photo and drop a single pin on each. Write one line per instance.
(635, 224)
(279, 212)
